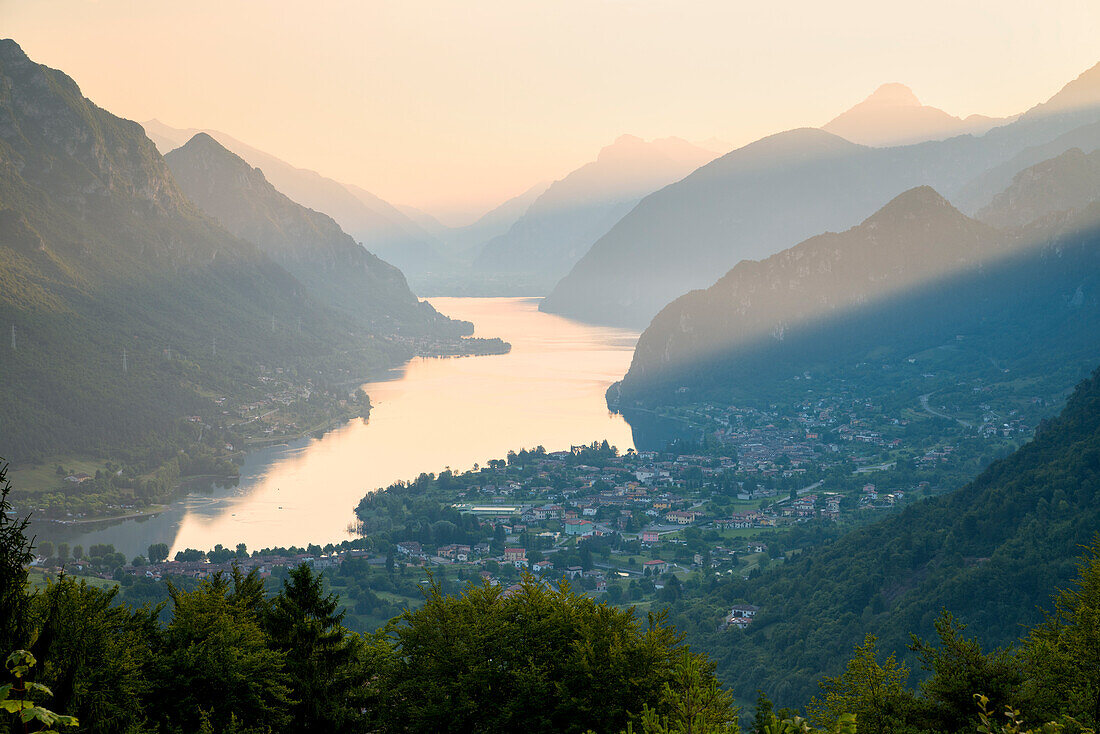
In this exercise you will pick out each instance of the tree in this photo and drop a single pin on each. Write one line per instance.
(158, 552)
(15, 554)
(325, 661)
(874, 693)
(95, 653)
(214, 663)
(959, 669)
(691, 703)
(1063, 653)
(538, 659)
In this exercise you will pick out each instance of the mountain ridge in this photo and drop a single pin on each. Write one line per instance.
(562, 222)
(369, 219)
(893, 115)
(336, 270)
(778, 191)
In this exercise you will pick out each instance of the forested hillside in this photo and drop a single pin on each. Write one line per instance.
(123, 307)
(991, 553)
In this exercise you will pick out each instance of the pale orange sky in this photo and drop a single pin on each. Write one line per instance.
(454, 105)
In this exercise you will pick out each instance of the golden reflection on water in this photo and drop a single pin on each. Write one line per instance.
(438, 413)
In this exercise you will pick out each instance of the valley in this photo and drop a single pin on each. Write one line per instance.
(361, 425)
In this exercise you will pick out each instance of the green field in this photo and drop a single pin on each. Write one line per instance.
(44, 478)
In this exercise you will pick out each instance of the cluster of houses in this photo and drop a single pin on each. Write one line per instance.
(740, 616)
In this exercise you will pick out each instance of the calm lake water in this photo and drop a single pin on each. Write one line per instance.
(426, 416)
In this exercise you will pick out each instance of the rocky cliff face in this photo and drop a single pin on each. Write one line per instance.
(1069, 181)
(57, 139)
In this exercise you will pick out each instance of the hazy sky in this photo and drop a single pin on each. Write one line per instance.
(454, 105)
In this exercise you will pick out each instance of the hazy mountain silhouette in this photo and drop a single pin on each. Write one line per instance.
(893, 115)
(467, 241)
(1070, 181)
(916, 237)
(770, 194)
(337, 271)
(563, 222)
(376, 224)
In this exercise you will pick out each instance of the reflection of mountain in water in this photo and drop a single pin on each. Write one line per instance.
(653, 432)
(203, 497)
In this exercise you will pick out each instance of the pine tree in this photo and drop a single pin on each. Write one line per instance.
(15, 554)
(325, 660)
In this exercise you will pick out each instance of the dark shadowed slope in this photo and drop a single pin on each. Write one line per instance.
(916, 275)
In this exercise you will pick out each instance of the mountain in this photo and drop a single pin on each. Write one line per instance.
(979, 192)
(893, 115)
(422, 219)
(993, 553)
(559, 226)
(1069, 181)
(468, 240)
(376, 224)
(1078, 97)
(778, 191)
(127, 306)
(915, 238)
(914, 276)
(335, 269)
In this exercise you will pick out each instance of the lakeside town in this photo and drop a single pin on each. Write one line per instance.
(632, 528)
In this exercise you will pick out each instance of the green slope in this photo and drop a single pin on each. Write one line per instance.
(993, 553)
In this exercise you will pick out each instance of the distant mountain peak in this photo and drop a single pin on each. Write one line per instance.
(893, 94)
(893, 115)
(204, 142)
(917, 201)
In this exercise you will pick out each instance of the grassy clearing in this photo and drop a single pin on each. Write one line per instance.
(37, 579)
(44, 478)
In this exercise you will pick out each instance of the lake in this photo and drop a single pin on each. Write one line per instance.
(428, 415)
